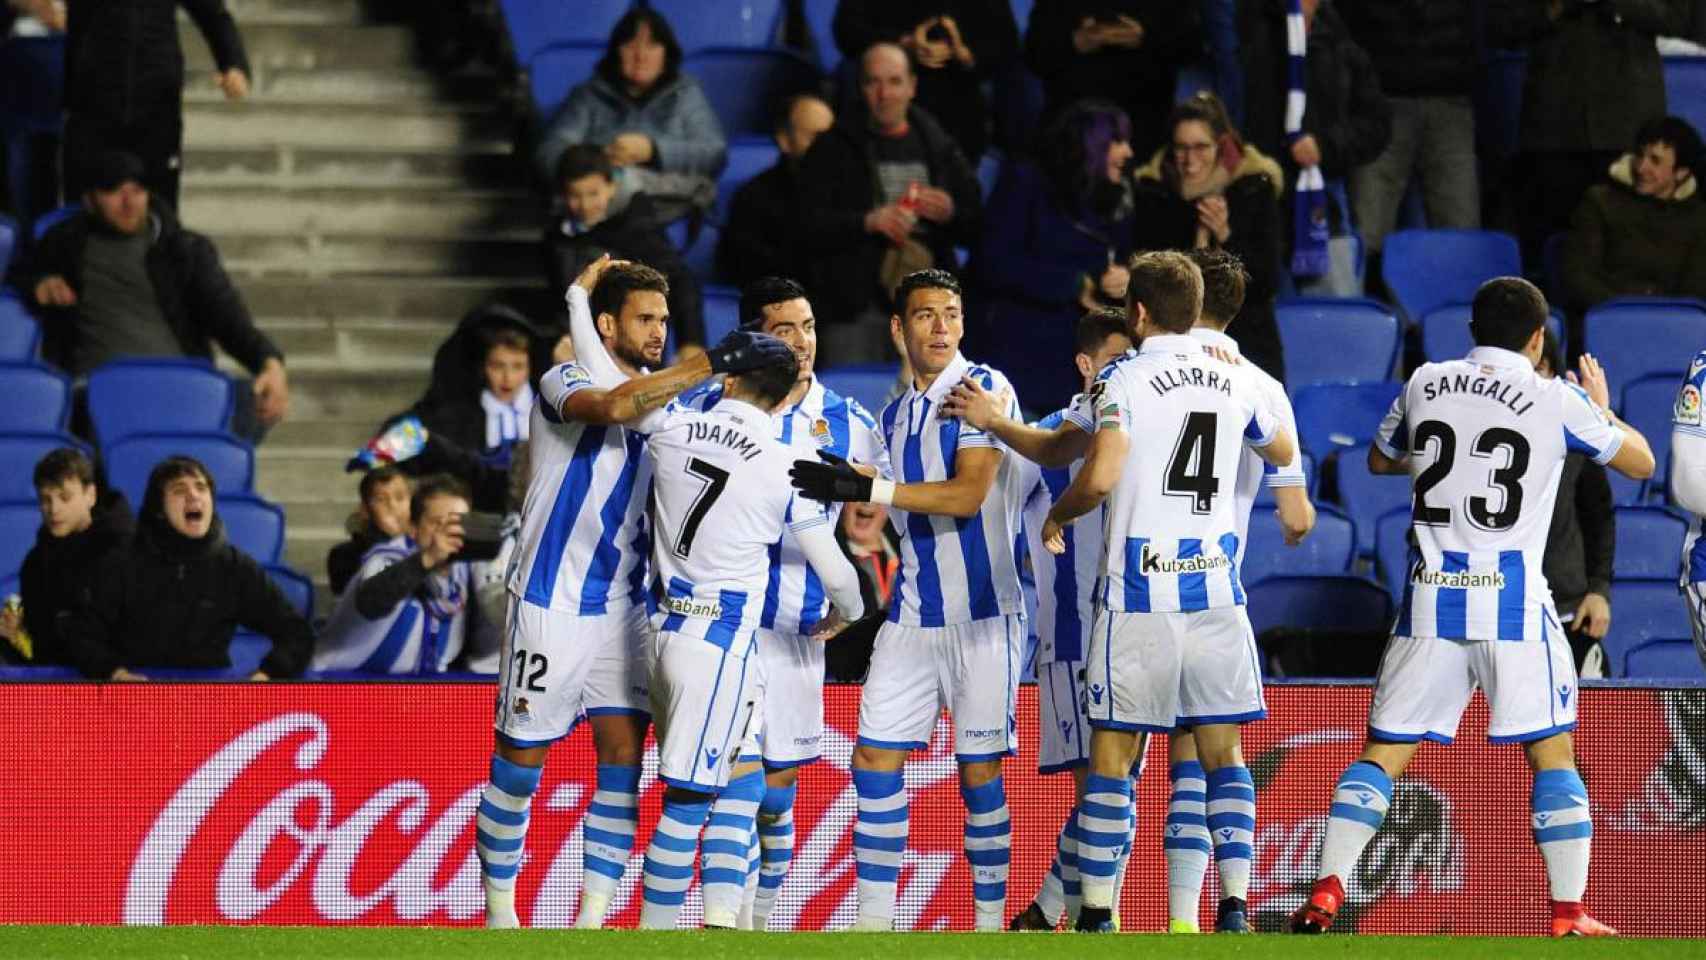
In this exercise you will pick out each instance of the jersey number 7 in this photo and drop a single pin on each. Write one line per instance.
(716, 478)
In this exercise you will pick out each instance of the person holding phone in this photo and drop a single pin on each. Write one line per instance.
(406, 611)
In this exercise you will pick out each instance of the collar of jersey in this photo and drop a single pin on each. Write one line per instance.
(1499, 357)
(725, 402)
(811, 402)
(1171, 343)
(1214, 338)
(950, 375)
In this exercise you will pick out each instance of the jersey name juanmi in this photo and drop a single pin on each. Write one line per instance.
(1486, 439)
(1687, 427)
(1172, 519)
(584, 542)
(1066, 584)
(795, 600)
(720, 504)
(952, 570)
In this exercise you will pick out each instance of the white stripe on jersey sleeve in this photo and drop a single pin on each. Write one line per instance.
(1587, 426)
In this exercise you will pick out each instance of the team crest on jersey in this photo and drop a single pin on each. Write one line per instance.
(574, 373)
(820, 432)
(1688, 405)
(523, 714)
(1698, 365)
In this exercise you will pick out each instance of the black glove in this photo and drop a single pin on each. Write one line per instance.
(744, 350)
(832, 481)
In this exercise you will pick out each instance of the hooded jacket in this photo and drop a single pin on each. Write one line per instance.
(165, 600)
(123, 61)
(1623, 244)
(675, 115)
(635, 233)
(57, 576)
(1165, 220)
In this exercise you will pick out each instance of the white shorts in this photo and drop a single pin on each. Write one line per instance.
(1063, 729)
(1152, 672)
(791, 710)
(703, 700)
(557, 667)
(972, 669)
(1425, 683)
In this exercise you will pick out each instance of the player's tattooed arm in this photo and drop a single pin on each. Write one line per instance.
(1094, 482)
(981, 409)
(637, 397)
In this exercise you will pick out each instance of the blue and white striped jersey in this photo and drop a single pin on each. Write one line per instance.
(795, 599)
(1486, 438)
(720, 504)
(584, 541)
(1254, 472)
(1066, 584)
(1173, 518)
(423, 634)
(1687, 429)
(952, 570)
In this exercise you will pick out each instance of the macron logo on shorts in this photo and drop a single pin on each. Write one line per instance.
(711, 754)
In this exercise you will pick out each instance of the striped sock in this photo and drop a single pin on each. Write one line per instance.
(1359, 806)
(989, 843)
(1186, 841)
(749, 893)
(879, 843)
(1104, 827)
(1125, 852)
(669, 862)
(1232, 823)
(1051, 896)
(608, 830)
(1563, 827)
(728, 839)
(500, 830)
(776, 838)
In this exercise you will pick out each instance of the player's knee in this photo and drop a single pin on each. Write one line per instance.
(879, 759)
(1181, 746)
(978, 773)
(782, 779)
(521, 756)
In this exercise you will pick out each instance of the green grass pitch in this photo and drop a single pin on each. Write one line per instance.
(428, 943)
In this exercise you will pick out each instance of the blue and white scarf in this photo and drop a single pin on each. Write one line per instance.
(1310, 230)
(506, 423)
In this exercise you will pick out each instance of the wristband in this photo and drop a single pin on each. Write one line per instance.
(882, 491)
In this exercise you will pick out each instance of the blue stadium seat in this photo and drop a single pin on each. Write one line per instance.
(19, 453)
(1642, 610)
(535, 24)
(730, 23)
(1367, 496)
(230, 461)
(1635, 337)
(1685, 89)
(298, 589)
(749, 156)
(867, 383)
(722, 313)
(1339, 602)
(20, 335)
(556, 70)
(51, 219)
(9, 586)
(8, 242)
(1665, 660)
(820, 26)
(247, 650)
(18, 525)
(1392, 551)
(1311, 482)
(1552, 267)
(1333, 416)
(1329, 549)
(701, 255)
(1022, 13)
(37, 399)
(1649, 544)
(1648, 405)
(1337, 339)
(988, 172)
(253, 526)
(1446, 336)
(1427, 269)
(158, 395)
(744, 86)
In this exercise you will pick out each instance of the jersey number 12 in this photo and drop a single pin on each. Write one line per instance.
(716, 478)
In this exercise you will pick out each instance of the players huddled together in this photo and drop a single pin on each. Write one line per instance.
(677, 570)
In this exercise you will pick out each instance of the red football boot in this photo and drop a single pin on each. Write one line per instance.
(1571, 920)
(1317, 915)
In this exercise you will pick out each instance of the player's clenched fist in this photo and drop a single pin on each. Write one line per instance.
(835, 481)
(744, 350)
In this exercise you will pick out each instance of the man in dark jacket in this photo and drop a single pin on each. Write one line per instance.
(882, 193)
(593, 227)
(124, 83)
(760, 239)
(123, 278)
(175, 596)
(1127, 51)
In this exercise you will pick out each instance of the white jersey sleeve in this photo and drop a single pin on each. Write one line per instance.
(1587, 430)
(840, 580)
(1688, 442)
(1290, 475)
(1392, 437)
(589, 347)
(561, 382)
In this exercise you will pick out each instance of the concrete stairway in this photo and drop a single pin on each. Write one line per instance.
(363, 205)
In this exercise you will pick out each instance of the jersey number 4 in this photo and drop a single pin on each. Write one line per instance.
(715, 479)
(1191, 471)
(1507, 479)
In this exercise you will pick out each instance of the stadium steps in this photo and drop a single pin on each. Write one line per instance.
(363, 204)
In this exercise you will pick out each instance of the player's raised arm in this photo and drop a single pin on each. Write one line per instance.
(986, 411)
(1591, 428)
(589, 349)
(738, 352)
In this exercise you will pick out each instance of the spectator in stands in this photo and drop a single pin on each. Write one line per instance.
(590, 228)
(639, 107)
(78, 527)
(1127, 51)
(407, 609)
(1057, 234)
(122, 278)
(124, 85)
(32, 81)
(883, 193)
(383, 515)
(866, 538)
(956, 46)
(1427, 59)
(1581, 545)
(761, 238)
(1593, 77)
(1211, 190)
(174, 596)
(1644, 232)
